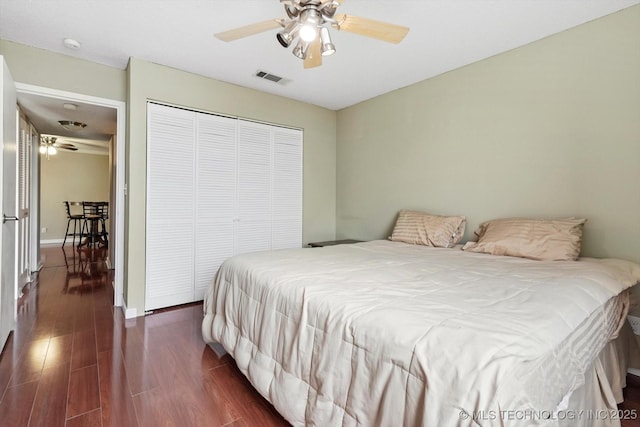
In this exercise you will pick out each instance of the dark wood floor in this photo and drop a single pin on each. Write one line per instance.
(630, 408)
(75, 361)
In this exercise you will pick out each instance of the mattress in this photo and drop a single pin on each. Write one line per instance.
(385, 333)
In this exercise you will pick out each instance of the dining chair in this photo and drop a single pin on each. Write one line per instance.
(95, 214)
(74, 213)
(103, 209)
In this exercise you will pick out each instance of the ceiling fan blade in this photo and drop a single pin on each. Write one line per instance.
(65, 146)
(248, 30)
(314, 56)
(370, 28)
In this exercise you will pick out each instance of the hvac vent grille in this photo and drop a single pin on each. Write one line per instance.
(269, 76)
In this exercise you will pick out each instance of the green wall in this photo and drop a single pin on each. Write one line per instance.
(148, 81)
(40, 67)
(551, 129)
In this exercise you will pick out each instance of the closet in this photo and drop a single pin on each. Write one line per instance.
(216, 187)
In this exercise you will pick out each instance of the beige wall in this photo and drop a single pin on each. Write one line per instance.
(551, 129)
(155, 82)
(73, 177)
(52, 70)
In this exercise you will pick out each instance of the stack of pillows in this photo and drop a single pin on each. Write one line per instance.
(539, 239)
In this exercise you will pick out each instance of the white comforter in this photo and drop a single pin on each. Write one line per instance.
(385, 333)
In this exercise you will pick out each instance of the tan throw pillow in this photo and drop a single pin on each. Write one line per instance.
(540, 239)
(419, 228)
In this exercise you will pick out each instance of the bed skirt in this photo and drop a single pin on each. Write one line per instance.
(595, 402)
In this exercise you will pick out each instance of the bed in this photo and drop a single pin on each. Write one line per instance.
(387, 333)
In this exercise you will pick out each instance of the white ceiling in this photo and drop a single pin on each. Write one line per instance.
(444, 35)
(45, 112)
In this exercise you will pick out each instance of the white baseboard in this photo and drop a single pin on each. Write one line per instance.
(119, 298)
(129, 313)
(51, 242)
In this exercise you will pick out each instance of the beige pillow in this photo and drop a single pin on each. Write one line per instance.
(549, 240)
(419, 228)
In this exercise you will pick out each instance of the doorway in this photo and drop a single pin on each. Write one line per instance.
(42, 99)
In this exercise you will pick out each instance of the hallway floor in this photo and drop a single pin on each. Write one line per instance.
(74, 360)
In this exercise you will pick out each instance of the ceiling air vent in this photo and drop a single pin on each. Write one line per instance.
(271, 77)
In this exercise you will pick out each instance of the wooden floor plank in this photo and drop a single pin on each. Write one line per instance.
(9, 360)
(108, 332)
(15, 408)
(140, 368)
(115, 395)
(90, 419)
(49, 409)
(154, 408)
(31, 362)
(84, 393)
(84, 349)
(59, 351)
(239, 397)
(186, 387)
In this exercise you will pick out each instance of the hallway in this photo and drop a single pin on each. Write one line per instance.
(75, 361)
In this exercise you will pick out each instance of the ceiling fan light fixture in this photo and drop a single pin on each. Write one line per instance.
(286, 36)
(310, 20)
(308, 32)
(301, 49)
(46, 145)
(292, 11)
(71, 125)
(327, 46)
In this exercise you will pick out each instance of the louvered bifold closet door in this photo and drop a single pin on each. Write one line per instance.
(215, 196)
(286, 224)
(170, 206)
(254, 187)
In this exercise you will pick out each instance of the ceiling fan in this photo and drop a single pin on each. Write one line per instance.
(49, 145)
(308, 22)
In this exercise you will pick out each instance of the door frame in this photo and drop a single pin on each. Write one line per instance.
(120, 107)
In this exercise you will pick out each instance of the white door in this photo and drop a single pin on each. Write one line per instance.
(170, 206)
(8, 163)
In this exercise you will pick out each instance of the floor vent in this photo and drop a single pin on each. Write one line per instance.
(268, 76)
